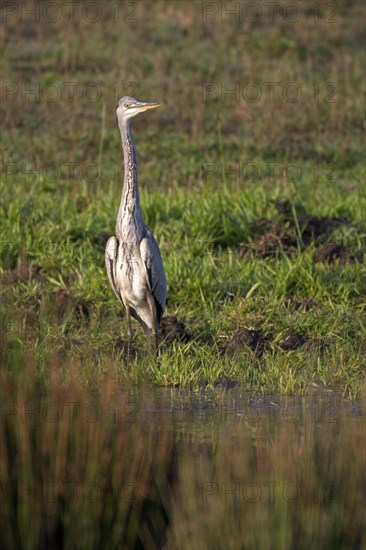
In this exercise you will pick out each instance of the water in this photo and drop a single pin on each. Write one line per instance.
(198, 411)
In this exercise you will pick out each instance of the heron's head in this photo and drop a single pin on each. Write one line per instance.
(128, 107)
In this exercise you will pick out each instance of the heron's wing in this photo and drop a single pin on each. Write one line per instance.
(150, 255)
(111, 251)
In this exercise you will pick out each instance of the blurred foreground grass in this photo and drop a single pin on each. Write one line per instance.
(99, 469)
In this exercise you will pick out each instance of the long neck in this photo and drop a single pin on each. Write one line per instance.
(129, 226)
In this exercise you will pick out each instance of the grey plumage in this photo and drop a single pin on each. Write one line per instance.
(133, 261)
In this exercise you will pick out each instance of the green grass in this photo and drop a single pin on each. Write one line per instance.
(211, 286)
(62, 177)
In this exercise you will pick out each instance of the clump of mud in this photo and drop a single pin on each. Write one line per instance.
(269, 238)
(292, 340)
(24, 273)
(245, 339)
(332, 253)
(312, 228)
(295, 229)
(171, 330)
(269, 244)
(253, 340)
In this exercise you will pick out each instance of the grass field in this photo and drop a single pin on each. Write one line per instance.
(251, 177)
(252, 180)
(253, 163)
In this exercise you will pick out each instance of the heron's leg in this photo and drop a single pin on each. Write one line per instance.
(155, 327)
(129, 333)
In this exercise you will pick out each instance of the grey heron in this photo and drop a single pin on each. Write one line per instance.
(133, 261)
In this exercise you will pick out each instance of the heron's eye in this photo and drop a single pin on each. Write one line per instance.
(127, 105)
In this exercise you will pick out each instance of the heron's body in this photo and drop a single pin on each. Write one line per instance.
(133, 260)
(131, 278)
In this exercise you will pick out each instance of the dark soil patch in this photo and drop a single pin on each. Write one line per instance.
(66, 303)
(262, 226)
(270, 237)
(331, 253)
(245, 339)
(269, 244)
(312, 227)
(254, 340)
(171, 330)
(292, 340)
(24, 273)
